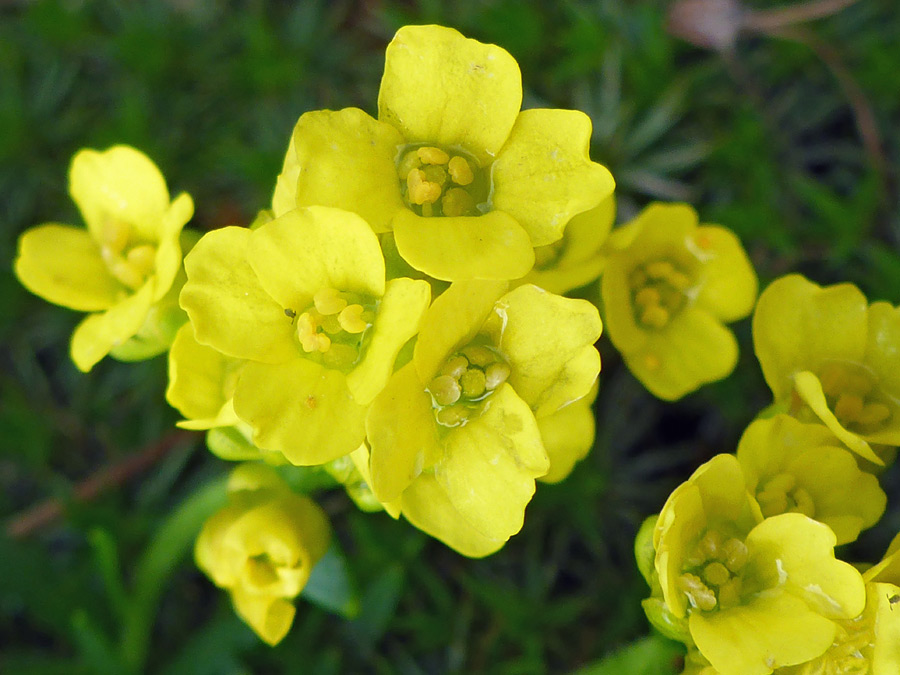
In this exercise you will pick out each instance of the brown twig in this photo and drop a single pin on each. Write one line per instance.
(774, 19)
(44, 513)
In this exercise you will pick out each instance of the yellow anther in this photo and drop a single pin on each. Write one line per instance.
(307, 332)
(716, 574)
(460, 171)
(408, 162)
(679, 281)
(655, 316)
(659, 269)
(874, 413)
(729, 594)
(142, 258)
(452, 416)
(804, 503)
(479, 355)
(328, 301)
(435, 174)
(848, 407)
(350, 319)
(115, 235)
(127, 274)
(473, 382)
(420, 190)
(709, 545)
(735, 554)
(457, 202)
(647, 296)
(432, 155)
(324, 342)
(697, 592)
(495, 375)
(455, 366)
(445, 390)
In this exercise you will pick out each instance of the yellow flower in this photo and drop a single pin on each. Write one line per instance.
(454, 436)
(758, 594)
(467, 182)
(122, 264)
(576, 259)
(668, 288)
(262, 547)
(870, 643)
(303, 300)
(791, 467)
(829, 355)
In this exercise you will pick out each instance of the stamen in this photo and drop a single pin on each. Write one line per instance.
(457, 202)
(127, 274)
(710, 543)
(655, 316)
(115, 235)
(329, 301)
(435, 174)
(307, 333)
(409, 162)
(455, 366)
(142, 258)
(479, 355)
(452, 416)
(324, 342)
(460, 171)
(848, 407)
(716, 574)
(495, 375)
(647, 296)
(698, 593)
(421, 191)
(735, 555)
(445, 390)
(873, 413)
(350, 319)
(659, 269)
(432, 155)
(729, 593)
(473, 383)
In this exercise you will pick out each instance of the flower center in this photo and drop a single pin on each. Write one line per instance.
(437, 182)
(465, 380)
(781, 494)
(712, 577)
(128, 260)
(658, 292)
(332, 329)
(851, 393)
(260, 571)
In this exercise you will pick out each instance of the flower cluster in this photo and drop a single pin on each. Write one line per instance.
(741, 558)
(390, 321)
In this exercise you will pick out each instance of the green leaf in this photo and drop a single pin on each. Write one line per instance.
(95, 647)
(652, 655)
(330, 586)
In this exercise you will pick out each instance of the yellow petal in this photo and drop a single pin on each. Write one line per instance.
(809, 388)
(581, 259)
(798, 324)
(490, 464)
(453, 319)
(796, 553)
(882, 338)
(284, 198)
(568, 435)
(728, 283)
(397, 320)
(227, 305)
(346, 160)
(62, 264)
(442, 88)
(426, 505)
(198, 376)
(168, 253)
(307, 250)
(549, 342)
(544, 175)
(886, 656)
(693, 349)
(771, 632)
(99, 333)
(300, 409)
(402, 434)
(270, 617)
(119, 184)
(491, 246)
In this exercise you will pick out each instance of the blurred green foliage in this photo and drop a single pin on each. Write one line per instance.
(763, 140)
